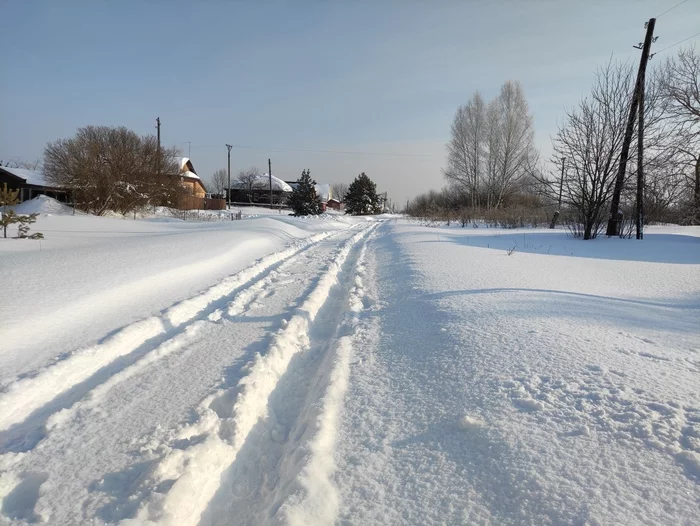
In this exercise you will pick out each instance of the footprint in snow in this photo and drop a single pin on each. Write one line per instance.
(19, 503)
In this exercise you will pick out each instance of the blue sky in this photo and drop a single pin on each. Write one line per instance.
(349, 75)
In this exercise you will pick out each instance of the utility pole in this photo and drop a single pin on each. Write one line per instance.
(269, 172)
(613, 227)
(228, 190)
(561, 189)
(561, 181)
(640, 166)
(158, 156)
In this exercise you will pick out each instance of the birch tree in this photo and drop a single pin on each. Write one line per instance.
(491, 147)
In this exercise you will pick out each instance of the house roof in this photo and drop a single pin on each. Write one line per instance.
(262, 182)
(187, 168)
(30, 176)
(323, 191)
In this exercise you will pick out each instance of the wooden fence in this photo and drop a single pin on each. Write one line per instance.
(190, 202)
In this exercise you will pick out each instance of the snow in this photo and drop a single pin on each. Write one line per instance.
(323, 191)
(282, 370)
(531, 388)
(43, 205)
(184, 171)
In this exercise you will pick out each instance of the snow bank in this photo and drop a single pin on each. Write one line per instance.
(43, 204)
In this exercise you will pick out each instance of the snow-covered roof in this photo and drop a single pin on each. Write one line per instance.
(30, 176)
(323, 191)
(187, 168)
(262, 182)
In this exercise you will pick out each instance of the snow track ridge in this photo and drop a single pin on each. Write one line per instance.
(194, 475)
(19, 399)
(312, 496)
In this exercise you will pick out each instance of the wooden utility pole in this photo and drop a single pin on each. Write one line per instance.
(158, 155)
(561, 189)
(613, 227)
(561, 181)
(269, 172)
(640, 166)
(228, 190)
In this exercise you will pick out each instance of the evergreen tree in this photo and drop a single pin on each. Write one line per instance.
(8, 198)
(304, 201)
(362, 198)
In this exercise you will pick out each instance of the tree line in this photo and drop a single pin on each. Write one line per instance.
(493, 172)
(114, 169)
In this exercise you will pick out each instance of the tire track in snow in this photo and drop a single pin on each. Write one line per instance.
(21, 398)
(238, 306)
(315, 499)
(287, 459)
(194, 474)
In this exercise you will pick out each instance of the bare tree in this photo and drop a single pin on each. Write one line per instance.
(112, 169)
(465, 150)
(516, 152)
(249, 180)
(681, 88)
(219, 181)
(339, 191)
(491, 149)
(590, 139)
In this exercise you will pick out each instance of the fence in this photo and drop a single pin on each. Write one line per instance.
(190, 202)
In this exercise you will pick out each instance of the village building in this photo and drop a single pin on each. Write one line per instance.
(257, 191)
(31, 184)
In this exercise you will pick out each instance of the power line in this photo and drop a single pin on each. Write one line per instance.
(679, 42)
(341, 152)
(336, 151)
(671, 9)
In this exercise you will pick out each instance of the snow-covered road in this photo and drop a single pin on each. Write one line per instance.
(377, 373)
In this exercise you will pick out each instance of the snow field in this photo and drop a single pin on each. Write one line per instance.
(383, 374)
(223, 431)
(25, 395)
(525, 389)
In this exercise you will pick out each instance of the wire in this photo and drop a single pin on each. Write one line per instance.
(671, 9)
(679, 42)
(341, 152)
